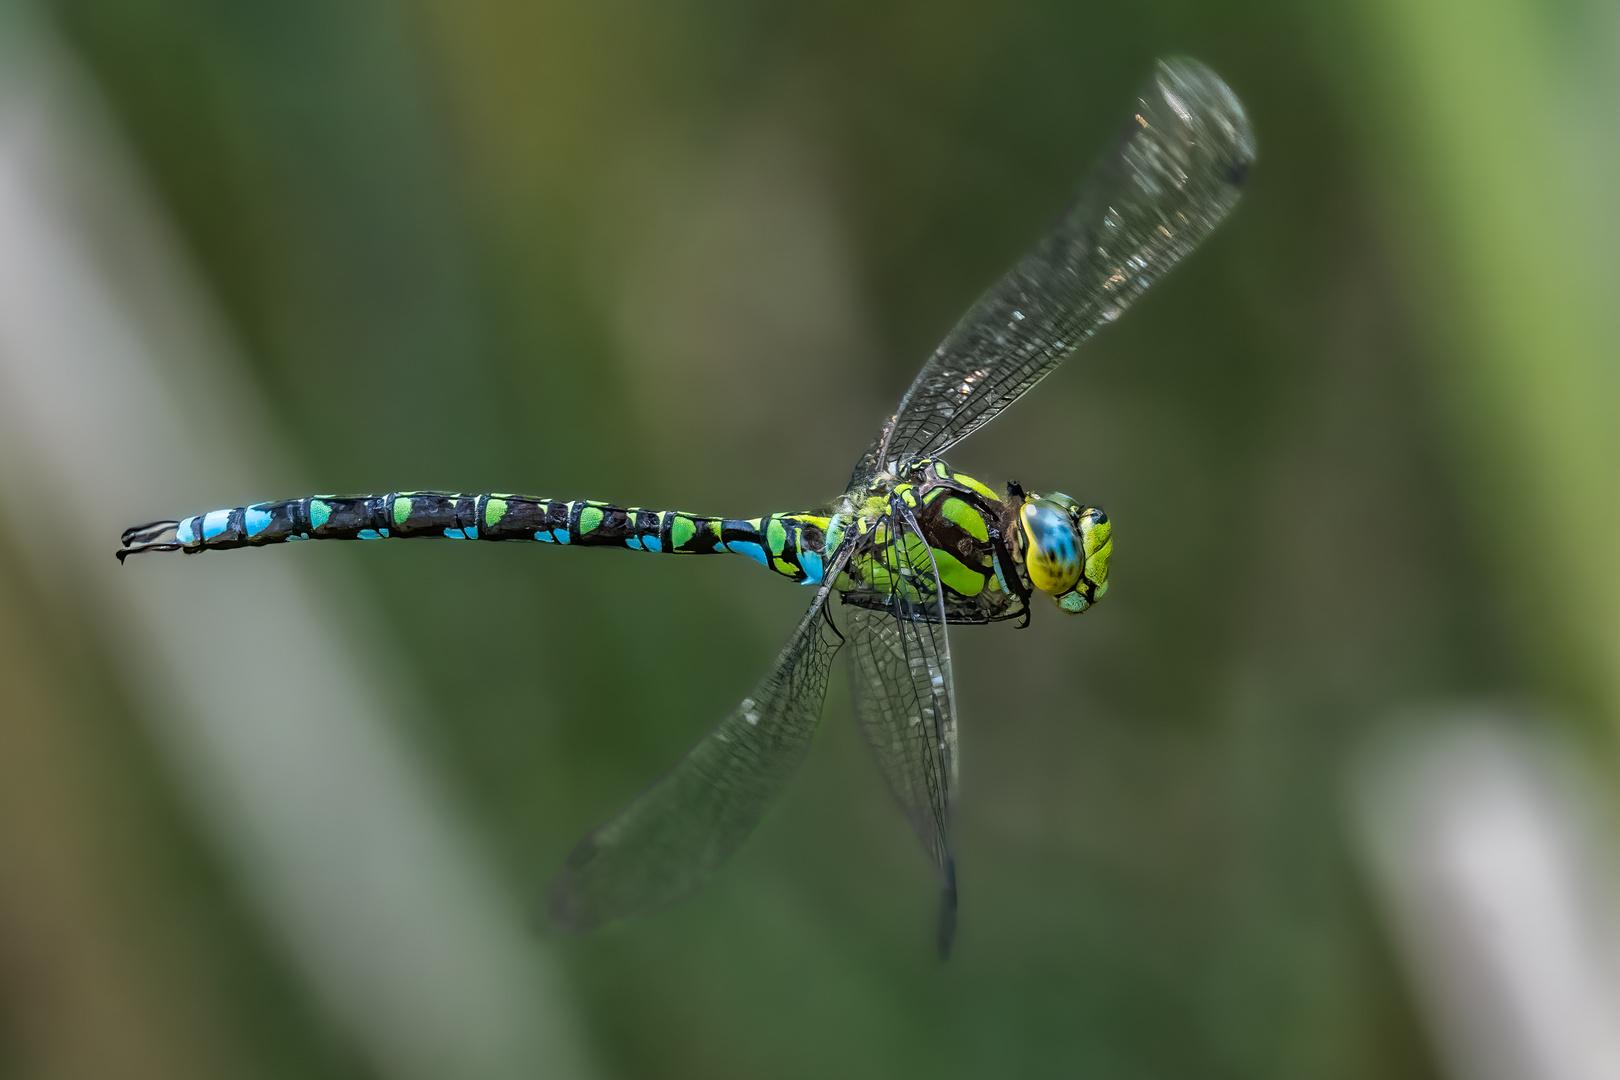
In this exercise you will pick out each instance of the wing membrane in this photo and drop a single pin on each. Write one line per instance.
(1175, 174)
(670, 840)
(903, 699)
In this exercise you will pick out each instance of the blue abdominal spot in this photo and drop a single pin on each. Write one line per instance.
(811, 563)
(215, 522)
(750, 549)
(255, 520)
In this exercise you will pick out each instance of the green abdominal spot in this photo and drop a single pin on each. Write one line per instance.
(681, 532)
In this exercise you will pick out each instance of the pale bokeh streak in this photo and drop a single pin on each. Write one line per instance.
(1488, 861)
(116, 406)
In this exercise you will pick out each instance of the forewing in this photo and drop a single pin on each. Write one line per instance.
(903, 699)
(666, 844)
(1177, 171)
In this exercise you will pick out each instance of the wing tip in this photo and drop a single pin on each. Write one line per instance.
(945, 935)
(566, 901)
(1189, 86)
(563, 908)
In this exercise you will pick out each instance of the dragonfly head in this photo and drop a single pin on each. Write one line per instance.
(1066, 549)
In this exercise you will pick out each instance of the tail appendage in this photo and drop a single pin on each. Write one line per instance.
(788, 544)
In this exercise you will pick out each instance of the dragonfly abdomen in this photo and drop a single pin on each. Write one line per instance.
(787, 544)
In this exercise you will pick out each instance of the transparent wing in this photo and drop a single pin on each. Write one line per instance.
(666, 844)
(1177, 171)
(903, 699)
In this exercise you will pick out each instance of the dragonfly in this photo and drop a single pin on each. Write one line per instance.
(910, 547)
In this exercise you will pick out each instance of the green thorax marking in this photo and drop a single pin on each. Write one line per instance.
(962, 523)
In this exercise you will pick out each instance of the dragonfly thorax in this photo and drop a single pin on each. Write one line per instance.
(922, 522)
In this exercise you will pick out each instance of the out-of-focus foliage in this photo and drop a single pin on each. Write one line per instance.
(689, 255)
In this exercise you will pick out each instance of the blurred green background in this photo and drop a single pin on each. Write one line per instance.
(1359, 452)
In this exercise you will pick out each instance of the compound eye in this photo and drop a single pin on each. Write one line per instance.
(1061, 501)
(1051, 547)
